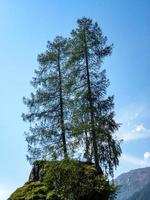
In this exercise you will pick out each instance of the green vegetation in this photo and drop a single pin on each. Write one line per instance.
(30, 190)
(47, 104)
(93, 116)
(66, 180)
(70, 108)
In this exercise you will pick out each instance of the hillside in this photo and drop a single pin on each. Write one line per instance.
(132, 182)
(60, 180)
(143, 194)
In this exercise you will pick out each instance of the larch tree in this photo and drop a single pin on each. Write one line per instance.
(93, 121)
(70, 107)
(47, 136)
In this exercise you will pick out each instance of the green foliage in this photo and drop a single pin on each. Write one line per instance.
(70, 109)
(66, 180)
(73, 180)
(47, 112)
(92, 113)
(30, 191)
(52, 196)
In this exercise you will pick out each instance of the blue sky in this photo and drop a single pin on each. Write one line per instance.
(25, 27)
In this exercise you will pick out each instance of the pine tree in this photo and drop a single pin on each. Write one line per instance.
(47, 112)
(93, 117)
(71, 97)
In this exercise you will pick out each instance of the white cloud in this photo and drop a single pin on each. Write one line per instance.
(140, 128)
(147, 156)
(129, 162)
(139, 132)
(132, 160)
(136, 162)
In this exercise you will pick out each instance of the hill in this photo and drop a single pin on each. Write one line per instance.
(132, 182)
(143, 194)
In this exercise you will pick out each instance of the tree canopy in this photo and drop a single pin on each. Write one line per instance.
(70, 110)
(47, 136)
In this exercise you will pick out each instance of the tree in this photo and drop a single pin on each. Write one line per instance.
(93, 117)
(70, 106)
(47, 135)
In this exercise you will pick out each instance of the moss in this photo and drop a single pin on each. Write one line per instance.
(66, 180)
(52, 196)
(30, 191)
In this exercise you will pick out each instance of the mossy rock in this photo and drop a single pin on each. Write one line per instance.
(33, 190)
(64, 180)
(52, 196)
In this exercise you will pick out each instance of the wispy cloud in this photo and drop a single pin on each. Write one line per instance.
(134, 127)
(131, 113)
(135, 161)
(139, 132)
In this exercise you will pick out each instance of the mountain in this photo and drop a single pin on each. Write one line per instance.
(132, 182)
(143, 194)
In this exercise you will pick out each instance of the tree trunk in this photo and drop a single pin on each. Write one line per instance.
(91, 110)
(62, 110)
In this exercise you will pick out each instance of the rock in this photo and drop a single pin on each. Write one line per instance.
(37, 171)
(31, 190)
(67, 179)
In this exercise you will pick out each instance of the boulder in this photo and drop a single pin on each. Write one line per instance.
(64, 180)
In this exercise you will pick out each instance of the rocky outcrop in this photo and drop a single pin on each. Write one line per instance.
(58, 180)
(37, 171)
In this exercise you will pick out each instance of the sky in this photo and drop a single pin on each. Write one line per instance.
(26, 26)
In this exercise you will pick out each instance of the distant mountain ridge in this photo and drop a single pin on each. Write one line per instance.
(132, 182)
(143, 194)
